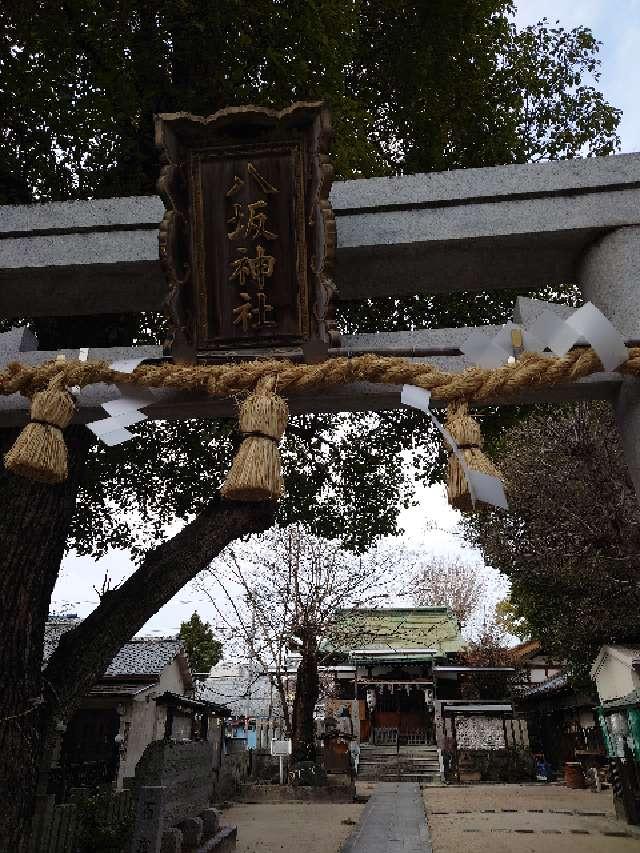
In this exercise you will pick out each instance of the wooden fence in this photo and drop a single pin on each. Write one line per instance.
(57, 827)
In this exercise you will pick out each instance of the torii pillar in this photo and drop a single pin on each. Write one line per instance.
(609, 277)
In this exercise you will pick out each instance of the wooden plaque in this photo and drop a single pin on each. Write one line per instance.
(248, 239)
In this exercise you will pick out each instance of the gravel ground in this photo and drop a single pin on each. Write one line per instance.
(524, 819)
(292, 827)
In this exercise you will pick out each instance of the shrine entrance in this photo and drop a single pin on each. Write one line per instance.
(403, 715)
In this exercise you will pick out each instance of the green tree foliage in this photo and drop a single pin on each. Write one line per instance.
(203, 649)
(509, 619)
(570, 542)
(413, 86)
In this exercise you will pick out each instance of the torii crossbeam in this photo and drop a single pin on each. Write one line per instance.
(505, 227)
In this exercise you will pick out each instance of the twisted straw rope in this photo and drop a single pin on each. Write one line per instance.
(474, 384)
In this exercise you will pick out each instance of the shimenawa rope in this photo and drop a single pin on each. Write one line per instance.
(256, 474)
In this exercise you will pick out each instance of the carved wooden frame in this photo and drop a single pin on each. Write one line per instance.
(185, 141)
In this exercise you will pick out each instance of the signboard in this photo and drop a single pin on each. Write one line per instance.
(280, 747)
(247, 242)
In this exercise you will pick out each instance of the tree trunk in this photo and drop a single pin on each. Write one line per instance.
(33, 530)
(86, 651)
(282, 695)
(304, 703)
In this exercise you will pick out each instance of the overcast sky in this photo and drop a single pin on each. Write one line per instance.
(617, 24)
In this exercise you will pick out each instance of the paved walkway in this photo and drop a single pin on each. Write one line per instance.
(393, 821)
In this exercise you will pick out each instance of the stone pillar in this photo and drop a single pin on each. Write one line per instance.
(149, 819)
(610, 278)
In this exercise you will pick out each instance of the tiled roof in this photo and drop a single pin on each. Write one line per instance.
(530, 648)
(232, 691)
(144, 657)
(630, 700)
(398, 628)
(120, 689)
(53, 630)
(551, 685)
(138, 657)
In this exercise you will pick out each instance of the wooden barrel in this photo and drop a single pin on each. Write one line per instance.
(574, 775)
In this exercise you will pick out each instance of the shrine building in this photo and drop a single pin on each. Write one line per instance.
(400, 664)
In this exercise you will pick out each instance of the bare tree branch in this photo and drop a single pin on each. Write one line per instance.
(285, 592)
(84, 653)
(450, 582)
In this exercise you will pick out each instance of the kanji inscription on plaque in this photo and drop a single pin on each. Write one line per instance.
(248, 238)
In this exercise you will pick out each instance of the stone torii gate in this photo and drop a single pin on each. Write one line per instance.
(523, 226)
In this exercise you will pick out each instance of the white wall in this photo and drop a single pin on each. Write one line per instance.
(145, 720)
(616, 679)
(540, 669)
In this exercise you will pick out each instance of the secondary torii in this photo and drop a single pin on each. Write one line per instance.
(522, 226)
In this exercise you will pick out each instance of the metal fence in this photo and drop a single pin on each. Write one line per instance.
(418, 737)
(389, 737)
(385, 737)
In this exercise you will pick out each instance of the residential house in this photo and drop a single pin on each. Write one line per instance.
(250, 696)
(561, 717)
(143, 696)
(616, 672)
(534, 665)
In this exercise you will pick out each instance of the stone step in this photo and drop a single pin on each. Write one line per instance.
(379, 750)
(404, 750)
(402, 757)
(418, 750)
(420, 766)
(432, 779)
(402, 761)
(377, 758)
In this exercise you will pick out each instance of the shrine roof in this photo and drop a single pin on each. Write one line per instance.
(526, 650)
(409, 632)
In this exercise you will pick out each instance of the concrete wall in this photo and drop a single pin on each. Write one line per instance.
(187, 770)
(140, 730)
(493, 765)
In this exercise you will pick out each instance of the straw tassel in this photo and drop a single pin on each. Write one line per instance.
(39, 453)
(256, 472)
(468, 436)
